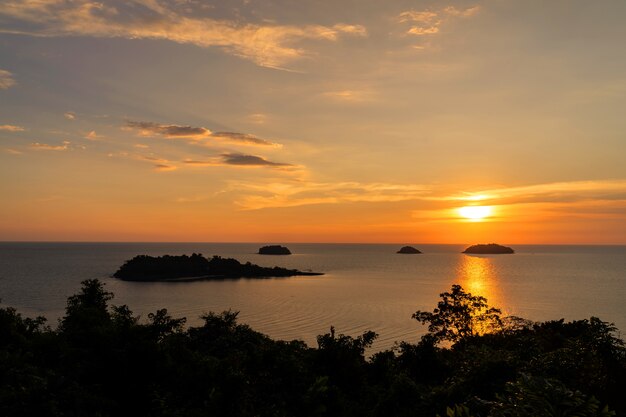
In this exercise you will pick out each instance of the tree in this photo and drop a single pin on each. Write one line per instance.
(88, 308)
(459, 315)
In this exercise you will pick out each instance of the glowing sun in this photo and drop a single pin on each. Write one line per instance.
(475, 212)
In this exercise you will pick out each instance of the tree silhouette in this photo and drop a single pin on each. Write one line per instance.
(459, 315)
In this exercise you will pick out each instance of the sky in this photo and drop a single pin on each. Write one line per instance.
(313, 121)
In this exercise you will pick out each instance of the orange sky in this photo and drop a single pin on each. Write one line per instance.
(262, 121)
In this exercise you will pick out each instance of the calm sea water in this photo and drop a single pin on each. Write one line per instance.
(366, 287)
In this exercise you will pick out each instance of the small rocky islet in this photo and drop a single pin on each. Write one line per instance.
(184, 268)
(409, 250)
(488, 249)
(274, 250)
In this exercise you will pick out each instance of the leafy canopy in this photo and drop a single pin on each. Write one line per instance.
(459, 315)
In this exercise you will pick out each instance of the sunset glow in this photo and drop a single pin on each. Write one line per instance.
(261, 121)
(475, 212)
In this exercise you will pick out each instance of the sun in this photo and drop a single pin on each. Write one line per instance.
(475, 212)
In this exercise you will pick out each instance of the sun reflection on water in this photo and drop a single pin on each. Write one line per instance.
(479, 276)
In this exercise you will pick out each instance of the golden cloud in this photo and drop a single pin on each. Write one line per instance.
(65, 145)
(265, 44)
(428, 22)
(12, 128)
(298, 193)
(6, 80)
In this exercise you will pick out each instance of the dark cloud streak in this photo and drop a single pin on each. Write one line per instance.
(195, 133)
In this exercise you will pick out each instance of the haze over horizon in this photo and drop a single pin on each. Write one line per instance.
(326, 121)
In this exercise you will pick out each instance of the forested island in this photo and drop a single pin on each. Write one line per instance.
(274, 250)
(409, 250)
(102, 360)
(196, 267)
(488, 249)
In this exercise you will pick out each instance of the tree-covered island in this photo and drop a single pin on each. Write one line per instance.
(196, 267)
(488, 249)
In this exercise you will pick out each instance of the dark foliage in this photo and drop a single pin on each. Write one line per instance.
(459, 315)
(104, 361)
(181, 268)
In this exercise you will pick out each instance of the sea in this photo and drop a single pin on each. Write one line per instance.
(364, 286)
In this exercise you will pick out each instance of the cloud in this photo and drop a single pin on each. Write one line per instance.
(243, 138)
(6, 80)
(196, 133)
(257, 118)
(92, 135)
(239, 160)
(65, 145)
(250, 160)
(164, 167)
(429, 22)
(12, 151)
(12, 128)
(267, 45)
(425, 16)
(416, 30)
(549, 192)
(294, 194)
(169, 131)
(356, 30)
(353, 96)
(69, 115)
(436, 205)
(469, 12)
(158, 163)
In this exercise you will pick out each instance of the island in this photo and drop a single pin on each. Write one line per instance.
(488, 249)
(274, 250)
(196, 267)
(408, 250)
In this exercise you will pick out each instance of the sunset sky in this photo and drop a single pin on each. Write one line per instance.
(313, 121)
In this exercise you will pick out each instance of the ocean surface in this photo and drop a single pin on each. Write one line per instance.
(365, 286)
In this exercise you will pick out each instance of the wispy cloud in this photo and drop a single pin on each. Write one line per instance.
(92, 135)
(12, 128)
(581, 199)
(64, 146)
(164, 167)
(69, 115)
(549, 192)
(349, 96)
(429, 22)
(196, 133)
(169, 131)
(6, 79)
(435, 204)
(267, 45)
(257, 118)
(250, 160)
(357, 30)
(298, 193)
(454, 11)
(239, 160)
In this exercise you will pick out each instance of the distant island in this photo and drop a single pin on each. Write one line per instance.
(196, 268)
(488, 249)
(409, 250)
(274, 250)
